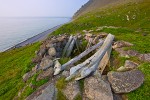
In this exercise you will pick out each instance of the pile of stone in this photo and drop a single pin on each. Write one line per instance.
(96, 86)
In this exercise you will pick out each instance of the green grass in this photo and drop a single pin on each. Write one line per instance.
(13, 65)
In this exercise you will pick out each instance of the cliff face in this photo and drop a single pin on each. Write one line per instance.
(94, 4)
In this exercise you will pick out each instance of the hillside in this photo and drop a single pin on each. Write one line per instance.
(97, 4)
(128, 21)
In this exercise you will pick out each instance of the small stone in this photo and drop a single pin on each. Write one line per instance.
(120, 44)
(45, 74)
(28, 75)
(125, 82)
(103, 34)
(122, 69)
(130, 65)
(145, 57)
(46, 63)
(42, 51)
(37, 59)
(52, 51)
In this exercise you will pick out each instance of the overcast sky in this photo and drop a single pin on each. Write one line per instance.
(46, 8)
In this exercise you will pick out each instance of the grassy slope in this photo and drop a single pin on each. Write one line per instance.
(13, 65)
(131, 31)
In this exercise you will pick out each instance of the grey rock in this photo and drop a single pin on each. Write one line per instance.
(122, 53)
(45, 92)
(120, 44)
(45, 74)
(28, 75)
(52, 51)
(145, 57)
(41, 52)
(71, 91)
(130, 65)
(37, 59)
(97, 89)
(125, 82)
(46, 63)
(133, 53)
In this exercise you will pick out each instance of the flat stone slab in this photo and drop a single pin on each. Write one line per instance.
(125, 82)
(45, 92)
(97, 90)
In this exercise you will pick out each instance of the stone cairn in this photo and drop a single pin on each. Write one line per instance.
(97, 86)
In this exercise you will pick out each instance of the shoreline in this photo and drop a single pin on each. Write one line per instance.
(36, 38)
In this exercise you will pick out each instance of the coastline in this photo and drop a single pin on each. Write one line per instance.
(36, 38)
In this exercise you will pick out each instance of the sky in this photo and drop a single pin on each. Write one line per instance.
(39, 8)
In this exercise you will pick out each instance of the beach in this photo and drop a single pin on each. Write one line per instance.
(36, 38)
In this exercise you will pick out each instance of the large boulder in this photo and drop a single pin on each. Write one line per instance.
(45, 92)
(97, 89)
(125, 82)
(52, 51)
(46, 63)
(45, 74)
(72, 90)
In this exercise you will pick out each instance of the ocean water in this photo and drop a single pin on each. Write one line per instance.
(16, 30)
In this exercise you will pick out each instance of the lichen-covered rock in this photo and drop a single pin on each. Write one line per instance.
(46, 63)
(71, 91)
(45, 74)
(52, 51)
(97, 89)
(125, 82)
(45, 92)
(41, 52)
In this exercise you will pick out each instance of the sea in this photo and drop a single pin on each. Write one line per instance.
(18, 29)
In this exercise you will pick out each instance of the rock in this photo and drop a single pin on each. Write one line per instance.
(52, 51)
(122, 53)
(65, 73)
(71, 91)
(130, 65)
(133, 53)
(37, 59)
(125, 82)
(49, 45)
(36, 68)
(120, 44)
(45, 92)
(46, 74)
(117, 97)
(88, 36)
(28, 75)
(46, 63)
(103, 34)
(122, 69)
(61, 38)
(97, 89)
(145, 57)
(41, 52)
